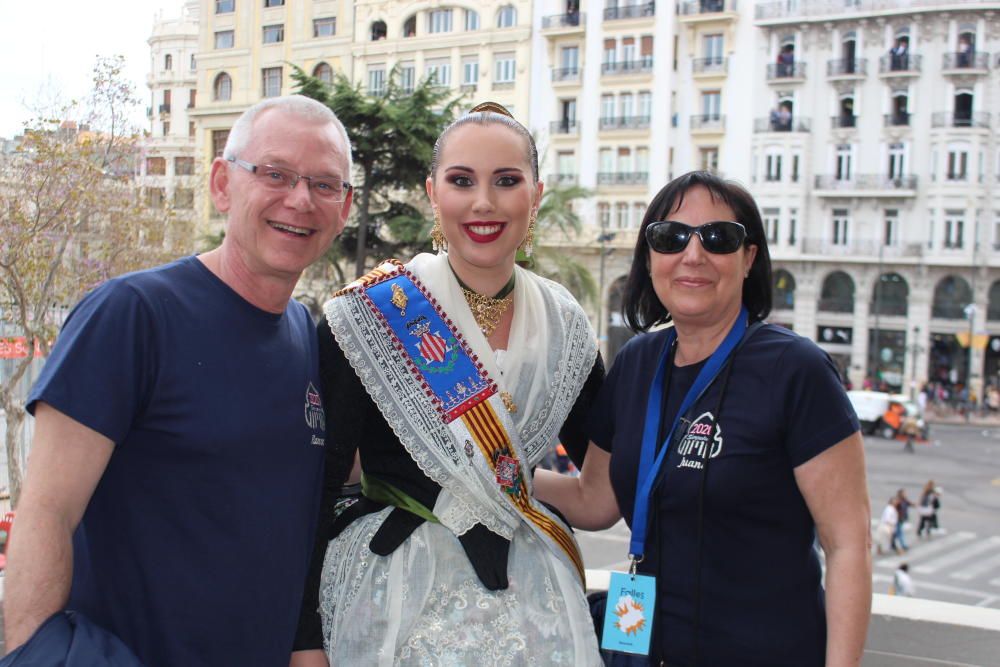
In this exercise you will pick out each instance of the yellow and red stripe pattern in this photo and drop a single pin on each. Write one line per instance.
(492, 438)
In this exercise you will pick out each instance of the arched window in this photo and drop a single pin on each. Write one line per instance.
(379, 30)
(890, 296)
(410, 27)
(324, 73)
(783, 290)
(963, 108)
(993, 307)
(168, 62)
(222, 88)
(837, 295)
(951, 295)
(507, 17)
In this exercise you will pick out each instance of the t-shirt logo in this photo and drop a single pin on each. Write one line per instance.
(315, 417)
(699, 438)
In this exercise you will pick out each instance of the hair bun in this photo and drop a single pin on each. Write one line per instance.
(493, 107)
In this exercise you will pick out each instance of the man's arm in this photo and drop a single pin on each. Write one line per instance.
(67, 461)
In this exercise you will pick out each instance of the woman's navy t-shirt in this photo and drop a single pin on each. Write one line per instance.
(760, 585)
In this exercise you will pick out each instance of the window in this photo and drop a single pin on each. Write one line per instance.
(324, 73)
(379, 30)
(626, 106)
(410, 27)
(192, 94)
(954, 226)
(183, 166)
(166, 128)
(325, 27)
(607, 161)
(194, 64)
(470, 71)
(166, 101)
(621, 215)
(156, 166)
(896, 161)
(222, 89)
(274, 34)
(154, 197)
(890, 227)
(708, 159)
(841, 223)
(225, 6)
(793, 215)
(507, 17)
(843, 162)
(770, 216)
(569, 58)
(376, 80)
(711, 105)
(642, 161)
(407, 77)
(645, 109)
(506, 66)
(795, 168)
(608, 108)
(224, 39)
(184, 198)
(958, 164)
(471, 19)
(565, 164)
(439, 20)
(440, 71)
(628, 49)
(219, 139)
(168, 62)
(604, 215)
(711, 46)
(271, 82)
(773, 167)
(610, 54)
(274, 3)
(191, 128)
(646, 50)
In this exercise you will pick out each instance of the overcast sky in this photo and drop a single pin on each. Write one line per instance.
(49, 47)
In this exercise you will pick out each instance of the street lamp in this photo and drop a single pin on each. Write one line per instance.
(915, 349)
(603, 239)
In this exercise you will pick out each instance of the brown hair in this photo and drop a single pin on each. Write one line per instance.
(488, 113)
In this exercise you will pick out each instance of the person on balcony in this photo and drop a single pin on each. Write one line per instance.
(899, 55)
(786, 61)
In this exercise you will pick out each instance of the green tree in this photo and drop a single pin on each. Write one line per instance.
(558, 220)
(392, 135)
(70, 218)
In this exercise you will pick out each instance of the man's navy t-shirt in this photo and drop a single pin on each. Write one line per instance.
(760, 590)
(196, 542)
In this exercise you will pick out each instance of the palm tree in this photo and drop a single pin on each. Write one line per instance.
(557, 218)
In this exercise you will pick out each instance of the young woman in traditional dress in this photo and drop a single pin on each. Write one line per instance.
(453, 375)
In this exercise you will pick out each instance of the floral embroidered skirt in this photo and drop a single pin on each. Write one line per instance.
(424, 605)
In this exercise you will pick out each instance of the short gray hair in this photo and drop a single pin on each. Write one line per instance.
(300, 105)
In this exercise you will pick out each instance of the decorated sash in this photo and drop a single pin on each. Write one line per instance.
(441, 403)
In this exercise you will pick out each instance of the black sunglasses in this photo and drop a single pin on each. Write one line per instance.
(721, 238)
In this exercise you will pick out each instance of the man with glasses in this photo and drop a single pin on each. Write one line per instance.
(175, 474)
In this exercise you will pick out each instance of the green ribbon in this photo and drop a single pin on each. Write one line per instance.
(375, 489)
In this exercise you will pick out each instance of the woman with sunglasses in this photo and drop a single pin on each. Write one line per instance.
(733, 445)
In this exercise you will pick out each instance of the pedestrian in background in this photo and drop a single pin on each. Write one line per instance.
(930, 502)
(902, 583)
(903, 505)
(886, 529)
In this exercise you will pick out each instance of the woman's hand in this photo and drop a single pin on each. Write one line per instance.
(588, 501)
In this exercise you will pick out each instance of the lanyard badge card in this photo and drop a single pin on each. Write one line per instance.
(628, 616)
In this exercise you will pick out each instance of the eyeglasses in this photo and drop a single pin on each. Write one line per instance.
(327, 188)
(720, 238)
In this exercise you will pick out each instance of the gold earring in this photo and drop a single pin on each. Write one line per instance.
(529, 239)
(437, 234)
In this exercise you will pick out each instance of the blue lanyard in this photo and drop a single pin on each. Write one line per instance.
(648, 467)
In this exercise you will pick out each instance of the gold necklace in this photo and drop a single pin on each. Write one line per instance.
(486, 310)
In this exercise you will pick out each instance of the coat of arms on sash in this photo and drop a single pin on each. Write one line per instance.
(437, 354)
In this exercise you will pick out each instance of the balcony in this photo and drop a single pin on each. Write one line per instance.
(465, 88)
(564, 24)
(503, 85)
(565, 74)
(861, 248)
(843, 121)
(979, 119)
(847, 68)
(693, 10)
(164, 108)
(624, 122)
(904, 65)
(627, 67)
(564, 126)
(630, 11)
(711, 122)
(709, 66)
(900, 119)
(786, 73)
(562, 179)
(965, 63)
(865, 185)
(781, 125)
(622, 177)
